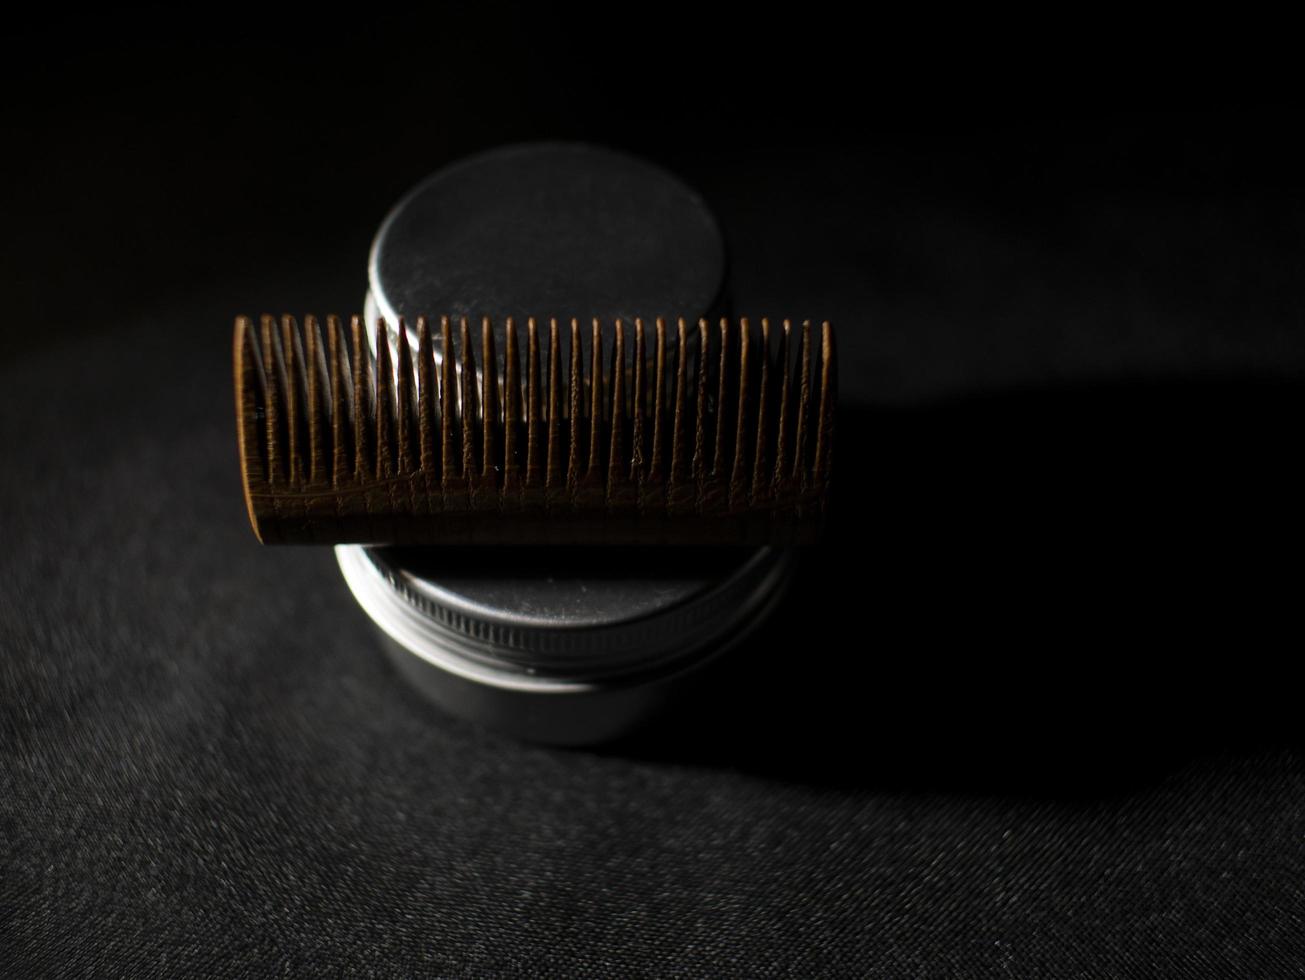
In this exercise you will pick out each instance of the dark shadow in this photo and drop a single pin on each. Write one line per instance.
(1055, 593)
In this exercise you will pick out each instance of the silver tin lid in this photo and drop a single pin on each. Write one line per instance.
(549, 230)
(560, 645)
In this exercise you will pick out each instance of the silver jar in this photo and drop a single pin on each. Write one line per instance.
(558, 645)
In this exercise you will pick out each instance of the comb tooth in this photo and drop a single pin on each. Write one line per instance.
(555, 476)
(679, 493)
(800, 433)
(383, 500)
(784, 421)
(701, 464)
(251, 398)
(760, 494)
(342, 453)
(385, 409)
(575, 410)
(724, 372)
(716, 494)
(700, 407)
(638, 402)
(452, 484)
(467, 391)
(535, 422)
(619, 496)
(364, 400)
(511, 496)
(292, 350)
(427, 407)
(406, 459)
(411, 485)
(596, 392)
(739, 469)
(297, 368)
(489, 420)
(318, 409)
(364, 426)
(652, 495)
(591, 485)
(274, 409)
(821, 467)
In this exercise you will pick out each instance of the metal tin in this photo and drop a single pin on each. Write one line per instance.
(559, 645)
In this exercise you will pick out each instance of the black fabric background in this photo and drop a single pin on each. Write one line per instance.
(1033, 710)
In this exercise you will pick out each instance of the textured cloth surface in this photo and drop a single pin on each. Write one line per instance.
(1028, 713)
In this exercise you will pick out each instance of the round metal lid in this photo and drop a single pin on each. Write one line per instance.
(551, 229)
(565, 613)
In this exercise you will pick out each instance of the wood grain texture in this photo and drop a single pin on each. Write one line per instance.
(686, 434)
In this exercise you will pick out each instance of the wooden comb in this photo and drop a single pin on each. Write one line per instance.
(706, 434)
